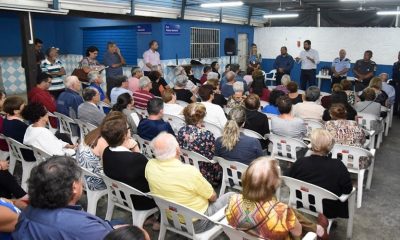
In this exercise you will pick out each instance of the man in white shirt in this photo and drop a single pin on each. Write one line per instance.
(170, 105)
(309, 108)
(388, 89)
(151, 58)
(215, 114)
(340, 67)
(121, 86)
(309, 59)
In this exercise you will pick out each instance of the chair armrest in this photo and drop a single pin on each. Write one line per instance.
(372, 151)
(216, 217)
(344, 197)
(310, 236)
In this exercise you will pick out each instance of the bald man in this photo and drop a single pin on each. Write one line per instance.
(340, 67)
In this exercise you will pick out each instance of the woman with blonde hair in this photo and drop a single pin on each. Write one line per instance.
(233, 145)
(376, 85)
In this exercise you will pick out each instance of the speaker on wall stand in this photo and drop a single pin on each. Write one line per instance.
(230, 48)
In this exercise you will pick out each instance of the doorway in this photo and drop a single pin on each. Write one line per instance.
(243, 48)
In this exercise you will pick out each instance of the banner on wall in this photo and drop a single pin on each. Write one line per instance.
(172, 29)
(143, 29)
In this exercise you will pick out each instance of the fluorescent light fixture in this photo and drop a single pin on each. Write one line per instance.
(388, 13)
(32, 9)
(285, 15)
(221, 4)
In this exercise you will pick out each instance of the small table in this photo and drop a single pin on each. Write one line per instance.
(326, 77)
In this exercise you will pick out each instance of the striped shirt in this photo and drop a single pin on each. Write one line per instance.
(141, 97)
(57, 82)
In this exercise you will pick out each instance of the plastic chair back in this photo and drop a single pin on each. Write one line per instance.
(312, 124)
(231, 174)
(216, 131)
(84, 128)
(350, 156)
(144, 146)
(285, 148)
(40, 155)
(251, 133)
(142, 112)
(175, 122)
(66, 125)
(193, 158)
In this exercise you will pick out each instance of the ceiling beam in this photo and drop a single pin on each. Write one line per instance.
(249, 15)
(183, 7)
(56, 5)
(132, 8)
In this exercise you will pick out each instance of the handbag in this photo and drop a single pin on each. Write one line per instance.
(82, 75)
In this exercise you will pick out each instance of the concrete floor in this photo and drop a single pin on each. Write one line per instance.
(379, 216)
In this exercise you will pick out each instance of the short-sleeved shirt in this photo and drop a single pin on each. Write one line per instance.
(3, 235)
(149, 129)
(88, 62)
(57, 82)
(178, 182)
(340, 64)
(115, 92)
(151, 57)
(364, 67)
(183, 95)
(141, 97)
(275, 219)
(110, 59)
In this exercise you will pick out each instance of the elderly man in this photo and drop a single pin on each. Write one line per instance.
(340, 67)
(227, 88)
(69, 100)
(89, 111)
(388, 89)
(55, 187)
(215, 114)
(309, 108)
(364, 70)
(53, 66)
(182, 183)
(121, 86)
(143, 95)
(114, 61)
(96, 80)
(133, 81)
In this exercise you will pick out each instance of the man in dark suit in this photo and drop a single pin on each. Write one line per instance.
(89, 111)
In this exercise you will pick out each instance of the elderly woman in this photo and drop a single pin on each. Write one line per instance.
(326, 100)
(233, 145)
(248, 78)
(381, 97)
(285, 124)
(170, 105)
(258, 86)
(125, 104)
(181, 93)
(294, 96)
(285, 81)
(320, 169)
(347, 86)
(96, 80)
(257, 211)
(340, 98)
(369, 105)
(194, 137)
(237, 98)
(227, 87)
(219, 99)
(272, 108)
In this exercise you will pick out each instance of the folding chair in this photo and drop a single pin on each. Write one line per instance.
(312, 124)
(193, 158)
(216, 130)
(15, 148)
(179, 219)
(84, 128)
(66, 125)
(285, 148)
(175, 122)
(144, 146)
(93, 195)
(367, 121)
(40, 155)
(119, 194)
(350, 156)
(182, 103)
(308, 198)
(231, 174)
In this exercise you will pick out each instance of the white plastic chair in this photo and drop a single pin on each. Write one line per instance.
(4, 154)
(285, 148)
(119, 194)
(66, 124)
(15, 148)
(104, 106)
(84, 128)
(231, 174)
(350, 156)
(307, 197)
(40, 155)
(180, 220)
(144, 146)
(312, 124)
(176, 122)
(193, 158)
(367, 121)
(51, 115)
(93, 196)
(387, 119)
(182, 103)
(142, 112)
(216, 130)
(271, 76)
(251, 133)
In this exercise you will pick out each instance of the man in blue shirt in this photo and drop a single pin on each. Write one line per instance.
(55, 186)
(69, 100)
(113, 60)
(121, 86)
(340, 67)
(283, 65)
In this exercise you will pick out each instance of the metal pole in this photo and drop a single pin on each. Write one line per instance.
(397, 17)
(318, 17)
(132, 8)
(56, 5)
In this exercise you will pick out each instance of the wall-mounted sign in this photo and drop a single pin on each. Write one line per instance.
(143, 29)
(172, 29)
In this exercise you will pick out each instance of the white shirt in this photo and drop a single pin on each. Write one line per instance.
(42, 138)
(306, 64)
(173, 109)
(115, 92)
(150, 57)
(308, 109)
(215, 114)
(389, 90)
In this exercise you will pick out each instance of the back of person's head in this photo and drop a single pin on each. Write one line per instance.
(115, 131)
(33, 112)
(135, 70)
(194, 113)
(230, 76)
(252, 102)
(206, 69)
(213, 82)
(12, 104)
(144, 82)
(337, 87)
(212, 75)
(249, 71)
(167, 95)
(50, 184)
(70, 81)
(155, 106)
(123, 101)
(93, 75)
(119, 80)
(338, 111)
(127, 233)
(235, 67)
(376, 83)
(384, 77)
(321, 141)
(231, 132)
(43, 77)
(205, 92)
(238, 87)
(90, 50)
(179, 70)
(89, 93)
(292, 87)
(165, 146)
(346, 85)
(339, 97)
(258, 83)
(154, 75)
(284, 104)
(261, 180)
(274, 95)
(188, 70)
(312, 94)
(369, 94)
(181, 81)
(286, 79)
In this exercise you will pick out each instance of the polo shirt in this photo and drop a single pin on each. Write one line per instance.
(110, 59)
(57, 83)
(151, 57)
(284, 61)
(115, 92)
(307, 64)
(341, 64)
(149, 129)
(141, 97)
(364, 67)
(178, 182)
(7, 235)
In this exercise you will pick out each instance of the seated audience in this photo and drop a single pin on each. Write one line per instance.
(143, 95)
(293, 94)
(121, 86)
(170, 105)
(381, 97)
(218, 98)
(183, 94)
(3, 143)
(347, 87)
(235, 68)
(37, 135)
(182, 183)
(203, 78)
(233, 145)
(96, 80)
(285, 80)
(340, 98)
(227, 88)
(190, 75)
(388, 89)
(326, 100)
(320, 169)
(157, 88)
(9, 187)
(258, 86)
(180, 71)
(129, 232)
(248, 78)
(215, 68)
(8, 218)
(215, 114)
(227, 69)
(150, 127)
(89, 111)
(237, 98)
(257, 211)
(69, 100)
(133, 82)
(194, 137)
(272, 108)
(125, 105)
(369, 105)
(309, 108)
(55, 187)
(285, 124)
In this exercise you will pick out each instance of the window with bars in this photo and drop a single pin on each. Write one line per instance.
(204, 43)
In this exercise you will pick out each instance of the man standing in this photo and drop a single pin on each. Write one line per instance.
(283, 65)
(39, 55)
(364, 70)
(309, 59)
(53, 66)
(151, 58)
(113, 60)
(396, 82)
(340, 67)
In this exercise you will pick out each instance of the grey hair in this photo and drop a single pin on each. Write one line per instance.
(230, 75)
(164, 146)
(285, 80)
(143, 82)
(212, 75)
(312, 93)
(238, 87)
(179, 70)
(70, 80)
(93, 75)
(135, 70)
(181, 80)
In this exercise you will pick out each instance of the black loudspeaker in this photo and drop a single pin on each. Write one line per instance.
(230, 47)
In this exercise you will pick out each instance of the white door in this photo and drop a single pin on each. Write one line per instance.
(243, 46)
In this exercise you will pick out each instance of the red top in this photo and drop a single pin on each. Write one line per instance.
(141, 97)
(203, 79)
(44, 97)
(265, 94)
